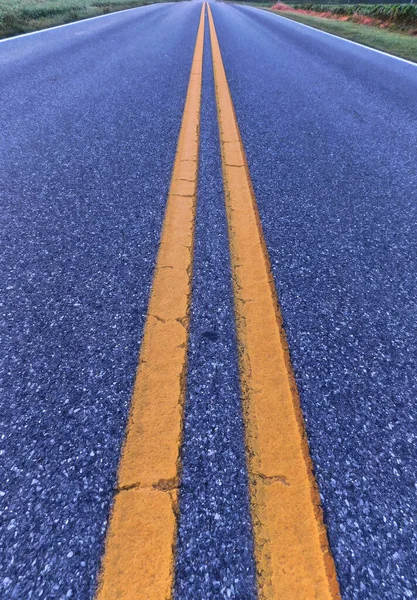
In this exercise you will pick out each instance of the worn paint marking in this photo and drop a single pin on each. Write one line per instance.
(138, 562)
(291, 547)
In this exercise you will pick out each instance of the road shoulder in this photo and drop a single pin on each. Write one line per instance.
(396, 44)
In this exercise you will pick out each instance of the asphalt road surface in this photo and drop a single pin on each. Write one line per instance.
(90, 116)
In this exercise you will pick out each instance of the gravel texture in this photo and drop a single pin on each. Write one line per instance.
(90, 116)
(215, 547)
(330, 130)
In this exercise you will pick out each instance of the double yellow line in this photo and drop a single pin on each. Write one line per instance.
(292, 555)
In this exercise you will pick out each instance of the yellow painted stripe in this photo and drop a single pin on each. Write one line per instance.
(138, 561)
(292, 552)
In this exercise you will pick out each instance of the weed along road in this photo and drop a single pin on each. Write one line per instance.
(208, 311)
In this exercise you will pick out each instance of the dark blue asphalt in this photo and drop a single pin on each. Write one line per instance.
(215, 547)
(89, 121)
(90, 116)
(330, 131)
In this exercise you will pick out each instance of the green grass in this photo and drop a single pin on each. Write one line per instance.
(401, 14)
(395, 43)
(22, 16)
(254, 4)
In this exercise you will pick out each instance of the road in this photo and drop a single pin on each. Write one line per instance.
(91, 116)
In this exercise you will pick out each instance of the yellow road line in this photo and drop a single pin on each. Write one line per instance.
(138, 561)
(292, 552)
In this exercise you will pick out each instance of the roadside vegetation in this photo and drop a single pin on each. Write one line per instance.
(403, 16)
(388, 27)
(22, 16)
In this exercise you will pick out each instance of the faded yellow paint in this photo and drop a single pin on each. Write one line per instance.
(292, 553)
(138, 562)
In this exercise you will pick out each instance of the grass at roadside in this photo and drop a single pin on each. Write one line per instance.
(398, 44)
(253, 4)
(22, 16)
